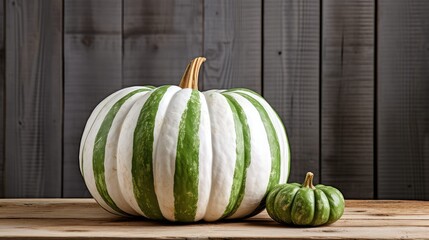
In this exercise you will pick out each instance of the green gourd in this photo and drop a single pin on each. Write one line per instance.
(305, 205)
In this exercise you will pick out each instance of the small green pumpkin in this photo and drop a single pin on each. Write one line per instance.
(305, 205)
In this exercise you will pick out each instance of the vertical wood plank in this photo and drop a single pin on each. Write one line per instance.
(93, 63)
(291, 77)
(347, 155)
(232, 44)
(403, 99)
(33, 145)
(2, 95)
(160, 38)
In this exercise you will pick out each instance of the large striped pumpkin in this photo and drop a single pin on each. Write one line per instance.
(182, 155)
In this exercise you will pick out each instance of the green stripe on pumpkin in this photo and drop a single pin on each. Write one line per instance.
(278, 117)
(100, 147)
(240, 172)
(142, 161)
(274, 147)
(145, 88)
(272, 140)
(288, 146)
(150, 87)
(237, 90)
(239, 162)
(187, 162)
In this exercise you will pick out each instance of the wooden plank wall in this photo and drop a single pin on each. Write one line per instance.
(291, 77)
(2, 94)
(348, 78)
(92, 70)
(347, 96)
(33, 108)
(403, 99)
(232, 44)
(160, 37)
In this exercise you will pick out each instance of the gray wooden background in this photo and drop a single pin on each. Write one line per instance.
(350, 80)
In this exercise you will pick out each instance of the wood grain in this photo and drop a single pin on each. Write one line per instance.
(33, 114)
(160, 38)
(92, 65)
(2, 95)
(403, 100)
(291, 77)
(83, 218)
(347, 155)
(232, 44)
(53, 208)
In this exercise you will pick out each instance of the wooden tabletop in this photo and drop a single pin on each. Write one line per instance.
(83, 218)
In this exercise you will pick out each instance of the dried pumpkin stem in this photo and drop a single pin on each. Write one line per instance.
(190, 77)
(308, 182)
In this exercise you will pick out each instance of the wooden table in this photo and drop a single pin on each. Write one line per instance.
(82, 218)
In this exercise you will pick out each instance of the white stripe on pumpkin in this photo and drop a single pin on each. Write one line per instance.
(165, 152)
(110, 159)
(258, 173)
(125, 153)
(93, 116)
(89, 148)
(281, 135)
(205, 159)
(224, 154)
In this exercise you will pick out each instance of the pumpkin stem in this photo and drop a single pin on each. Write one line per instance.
(308, 182)
(190, 77)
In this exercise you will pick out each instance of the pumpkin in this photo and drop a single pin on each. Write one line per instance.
(178, 154)
(305, 205)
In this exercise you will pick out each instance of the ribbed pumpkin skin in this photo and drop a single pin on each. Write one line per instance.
(182, 155)
(294, 204)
